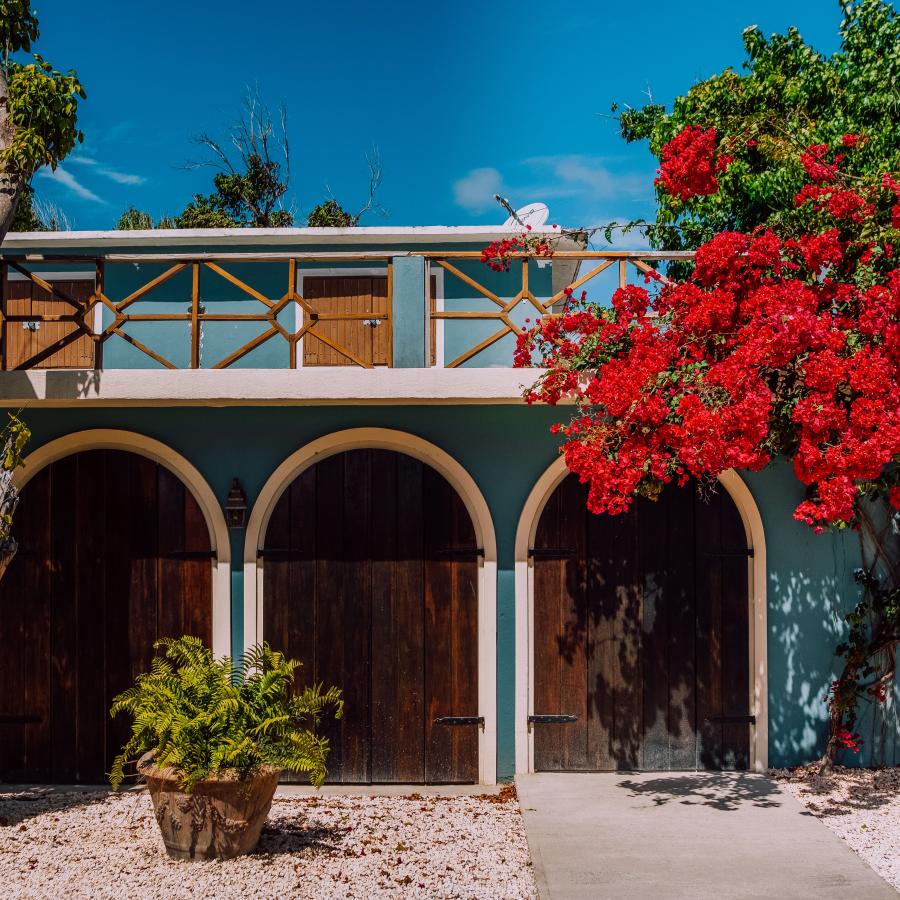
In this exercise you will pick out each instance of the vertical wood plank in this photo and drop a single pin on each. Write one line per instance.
(329, 664)
(656, 579)
(438, 636)
(389, 754)
(60, 557)
(170, 528)
(356, 602)
(682, 628)
(549, 604)
(464, 634)
(89, 562)
(119, 585)
(709, 632)
(735, 635)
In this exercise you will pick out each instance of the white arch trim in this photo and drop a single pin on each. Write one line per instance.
(469, 492)
(133, 442)
(525, 534)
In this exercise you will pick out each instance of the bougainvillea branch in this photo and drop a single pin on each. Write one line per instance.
(771, 347)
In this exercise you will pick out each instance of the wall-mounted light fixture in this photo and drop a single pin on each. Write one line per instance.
(236, 506)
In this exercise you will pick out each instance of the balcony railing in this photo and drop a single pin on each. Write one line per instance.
(492, 302)
(135, 299)
(289, 310)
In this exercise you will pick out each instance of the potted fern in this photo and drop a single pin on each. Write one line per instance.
(213, 740)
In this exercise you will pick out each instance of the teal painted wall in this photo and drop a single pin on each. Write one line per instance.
(505, 449)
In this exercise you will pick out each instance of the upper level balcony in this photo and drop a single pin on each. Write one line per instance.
(312, 309)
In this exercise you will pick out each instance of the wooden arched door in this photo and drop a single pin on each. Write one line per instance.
(641, 631)
(371, 579)
(114, 553)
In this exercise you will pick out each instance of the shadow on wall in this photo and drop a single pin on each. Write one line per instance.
(59, 384)
(805, 625)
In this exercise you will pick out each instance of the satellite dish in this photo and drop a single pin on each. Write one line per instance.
(534, 214)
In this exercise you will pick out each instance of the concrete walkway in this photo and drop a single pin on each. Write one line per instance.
(695, 835)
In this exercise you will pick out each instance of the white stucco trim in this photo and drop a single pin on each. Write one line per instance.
(290, 238)
(524, 585)
(133, 442)
(469, 492)
(270, 387)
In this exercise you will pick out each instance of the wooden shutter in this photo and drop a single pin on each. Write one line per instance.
(25, 298)
(339, 296)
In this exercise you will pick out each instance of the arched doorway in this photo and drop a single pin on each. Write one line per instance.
(642, 629)
(371, 577)
(114, 552)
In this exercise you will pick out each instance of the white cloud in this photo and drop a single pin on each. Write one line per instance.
(475, 191)
(582, 179)
(107, 172)
(68, 180)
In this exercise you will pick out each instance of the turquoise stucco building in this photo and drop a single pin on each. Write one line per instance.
(403, 521)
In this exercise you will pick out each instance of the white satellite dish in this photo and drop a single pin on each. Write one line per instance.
(534, 214)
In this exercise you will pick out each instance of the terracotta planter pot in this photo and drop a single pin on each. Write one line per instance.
(219, 819)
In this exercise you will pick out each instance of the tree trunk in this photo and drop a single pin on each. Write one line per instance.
(11, 181)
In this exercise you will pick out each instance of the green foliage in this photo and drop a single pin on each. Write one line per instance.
(203, 717)
(790, 97)
(242, 199)
(18, 25)
(13, 438)
(134, 219)
(26, 217)
(330, 214)
(43, 107)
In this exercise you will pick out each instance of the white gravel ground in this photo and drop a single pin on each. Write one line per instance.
(860, 805)
(100, 845)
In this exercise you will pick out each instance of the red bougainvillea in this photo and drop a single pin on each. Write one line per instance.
(689, 163)
(773, 347)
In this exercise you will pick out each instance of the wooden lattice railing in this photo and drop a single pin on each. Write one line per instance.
(120, 312)
(501, 311)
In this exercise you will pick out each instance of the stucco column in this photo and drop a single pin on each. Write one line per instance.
(408, 312)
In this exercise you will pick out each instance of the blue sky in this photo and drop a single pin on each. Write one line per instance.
(461, 99)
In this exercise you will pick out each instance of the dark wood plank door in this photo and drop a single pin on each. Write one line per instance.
(641, 630)
(114, 553)
(371, 579)
(339, 296)
(25, 340)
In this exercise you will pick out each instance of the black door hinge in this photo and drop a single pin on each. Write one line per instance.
(564, 719)
(461, 553)
(460, 720)
(730, 720)
(191, 554)
(552, 552)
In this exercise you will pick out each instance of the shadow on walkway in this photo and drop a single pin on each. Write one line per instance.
(722, 791)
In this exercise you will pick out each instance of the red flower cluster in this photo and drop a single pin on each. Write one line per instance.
(688, 163)
(850, 741)
(772, 347)
(497, 255)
